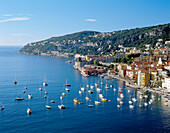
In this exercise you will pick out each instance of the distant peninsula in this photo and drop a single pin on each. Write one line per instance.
(97, 43)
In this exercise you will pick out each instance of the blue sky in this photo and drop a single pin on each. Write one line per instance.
(24, 21)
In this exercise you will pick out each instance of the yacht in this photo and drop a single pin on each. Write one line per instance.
(97, 102)
(83, 89)
(80, 92)
(101, 95)
(90, 105)
(61, 97)
(104, 99)
(75, 100)
(45, 82)
(61, 106)
(29, 96)
(130, 102)
(118, 106)
(2, 107)
(90, 91)
(28, 111)
(134, 99)
(19, 98)
(146, 104)
(98, 89)
(121, 103)
(67, 89)
(118, 99)
(87, 98)
(48, 107)
(131, 106)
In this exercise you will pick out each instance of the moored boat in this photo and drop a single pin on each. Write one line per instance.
(61, 106)
(29, 96)
(97, 102)
(28, 111)
(48, 107)
(2, 107)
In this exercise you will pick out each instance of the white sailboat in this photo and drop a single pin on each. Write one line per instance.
(15, 81)
(2, 106)
(29, 111)
(19, 98)
(47, 106)
(45, 81)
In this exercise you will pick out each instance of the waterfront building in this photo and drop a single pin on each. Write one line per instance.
(166, 84)
(153, 75)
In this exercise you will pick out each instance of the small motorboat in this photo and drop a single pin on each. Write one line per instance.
(145, 104)
(45, 96)
(166, 100)
(111, 86)
(87, 98)
(52, 101)
(92, 87)
(101, 95)
(23, 92)
(118, 99)
(25, 87)
(166, 104)
(131, 106)
(61, 97)
(141, 97)
(98, 89)
(80, 92)
(40, 89)
(159, 99)
(48, 107)
(101, 83)
(97, 102)
(19, 98)
(63, 94)
(83, 89)
(96, 85)
(29, 96)
(134, 99)
(75, 100)
(67, 89)
(80, 103)
(87, 85)
(130, 102)
(90, 105)
(121, 103)
(107, 87)
(140, 105)
(61, 106)
(145, 96)
(121, 95)
(28, 111)
(46, 93)
(90, 91)
(104, 99)
(120, 91)
(118, 106)
(2, 107)
(128, 91)
(114, 89)
(45, 84)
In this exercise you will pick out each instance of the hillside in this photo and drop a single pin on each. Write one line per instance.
(92, 42)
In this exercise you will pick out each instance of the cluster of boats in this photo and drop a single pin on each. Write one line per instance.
(89, 89)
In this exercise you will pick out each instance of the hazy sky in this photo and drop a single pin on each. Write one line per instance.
(24, 21)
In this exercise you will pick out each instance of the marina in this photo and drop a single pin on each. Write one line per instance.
(112, 106)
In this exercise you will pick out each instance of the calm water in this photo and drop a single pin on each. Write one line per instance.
(30, 72)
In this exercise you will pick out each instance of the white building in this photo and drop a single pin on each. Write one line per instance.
(166, 84)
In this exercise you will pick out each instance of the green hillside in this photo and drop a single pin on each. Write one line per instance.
(92, 42)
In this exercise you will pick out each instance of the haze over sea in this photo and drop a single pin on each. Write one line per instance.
(30, 71)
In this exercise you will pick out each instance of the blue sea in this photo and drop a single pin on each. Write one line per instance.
(30, 71)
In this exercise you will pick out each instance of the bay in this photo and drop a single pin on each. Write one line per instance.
(30, 71)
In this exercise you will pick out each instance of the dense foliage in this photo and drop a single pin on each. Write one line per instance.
(92, 42)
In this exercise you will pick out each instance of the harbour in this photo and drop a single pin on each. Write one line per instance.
(103, 117)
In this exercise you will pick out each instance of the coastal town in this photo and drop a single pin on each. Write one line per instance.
(150, 68)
